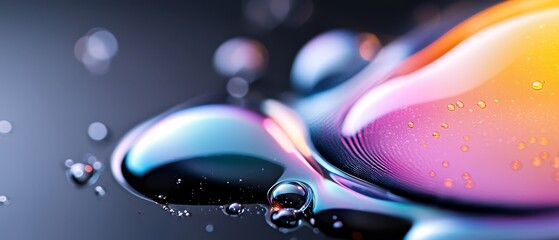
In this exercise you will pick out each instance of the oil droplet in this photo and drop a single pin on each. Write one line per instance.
(481, 104)
(544, 155)
(445, 164)
(97, 131)
(516, 165)
(432, 173)
(464, 148)
(543, 141)
(521, 146)
(234, 210)
(4, 200)
(537, 161)
(466, 138)
(532, 140)
(449, 183)
(460, 104)
(436, 134)
(100, 191)
(537, 85)
(450, 107)
(411, 124)
(466, 176)
(555, 163)
(209, 228)
(5, 127)
(291, 194)
(444, 125)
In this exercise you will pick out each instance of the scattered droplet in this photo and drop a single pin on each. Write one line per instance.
(450, 107)
(532, 140)
(543, 141)
(97, 131)
(237, 87)
(521, 146)
(496, 100)
(445, 164)
(241, 57)
(466, 176)
(516, 165)
(411, 124)
(176, 212)
(481, 104)
(100, 191)
(466, 138)
(337, 224)
(460, 104)
(96, 49)
(432, 173)
(544, 155)
(290, 194)
(449, 183)
(234, 210)
(444, 125)
(4, 200)
(84, 173)
(469, 184)
(537, 85)
(5, 127)
(537, 161)
(286, 218)
(555, 163)
(464, 148)
(209, 228)
(436, 134)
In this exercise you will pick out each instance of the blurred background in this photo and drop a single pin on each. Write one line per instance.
(65, 65)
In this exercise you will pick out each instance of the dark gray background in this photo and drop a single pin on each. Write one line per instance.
(165, 58)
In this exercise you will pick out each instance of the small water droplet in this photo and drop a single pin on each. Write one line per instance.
(444, 125)
(521, 146)
(481, 104)
(436, 134)
(81, 173)
(466, 138)
(469, 184)
(97, 131)
(532, 140)
(464, 148)
(445, 164)
(544, 155)
(516, 165)
(460, 104)
(449, 183)
(5, 127)
(466, 176)
(543, 141)
(209, 228)
(234, 209)
(411, 124)
(555, 162)
(4, 200)
(432, 173)
(450, 107)
(337, 224)
(537, 85)
(537, 161)
(100, 191)
(286, 218)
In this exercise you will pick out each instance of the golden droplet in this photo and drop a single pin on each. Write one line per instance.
(532, 140)
(537, 85)
(556, 176)
(555, 163)
(466, 176)
(436, 134)
(432, 173)
(543, 141)
(450, 107)
(496, 100)
(481, 104)
(445, 164)
(516, 165)
(464, 148)
(537, 161)
(466, 138)
(544, 155)
(448, 183)
(521, 146)
(460, 104)
(411, 124)
(469, 184)
(444, 125)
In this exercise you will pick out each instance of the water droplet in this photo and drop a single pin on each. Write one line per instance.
(337, 224)
(444, 125)
(460, 104)
(4, 200)
(181, 213)
(466, 138)
(241, 57)
(100, 191)
(436, 134)
(537, 85)
(449, 183)
(537, 161)
(450, 107)
(411, 124)
(445, 164)
(286, 218)
(543, 141)
(234, 210)
(469, 184)
(237, 87)
(521, 146)
(516, 165)
(464, 148)
(5, 127)
(432, 173)
(481, 104)
(466, 176)
(532, 140)
(290, 194)
(544, 155)
(97, 131)
(209, 228)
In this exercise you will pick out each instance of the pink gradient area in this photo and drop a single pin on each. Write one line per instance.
(483, 132)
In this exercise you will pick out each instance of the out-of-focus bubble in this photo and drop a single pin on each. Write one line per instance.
(97, 131)
(5, 126)
(100, 191)
(241, 57)
(4, 200)
(209, 228)
(96, 49)
(331, 58)
(84, 173)
(268, 14)
(237, 87)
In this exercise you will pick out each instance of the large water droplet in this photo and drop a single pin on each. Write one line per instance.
(290, 194)
(234, 209)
